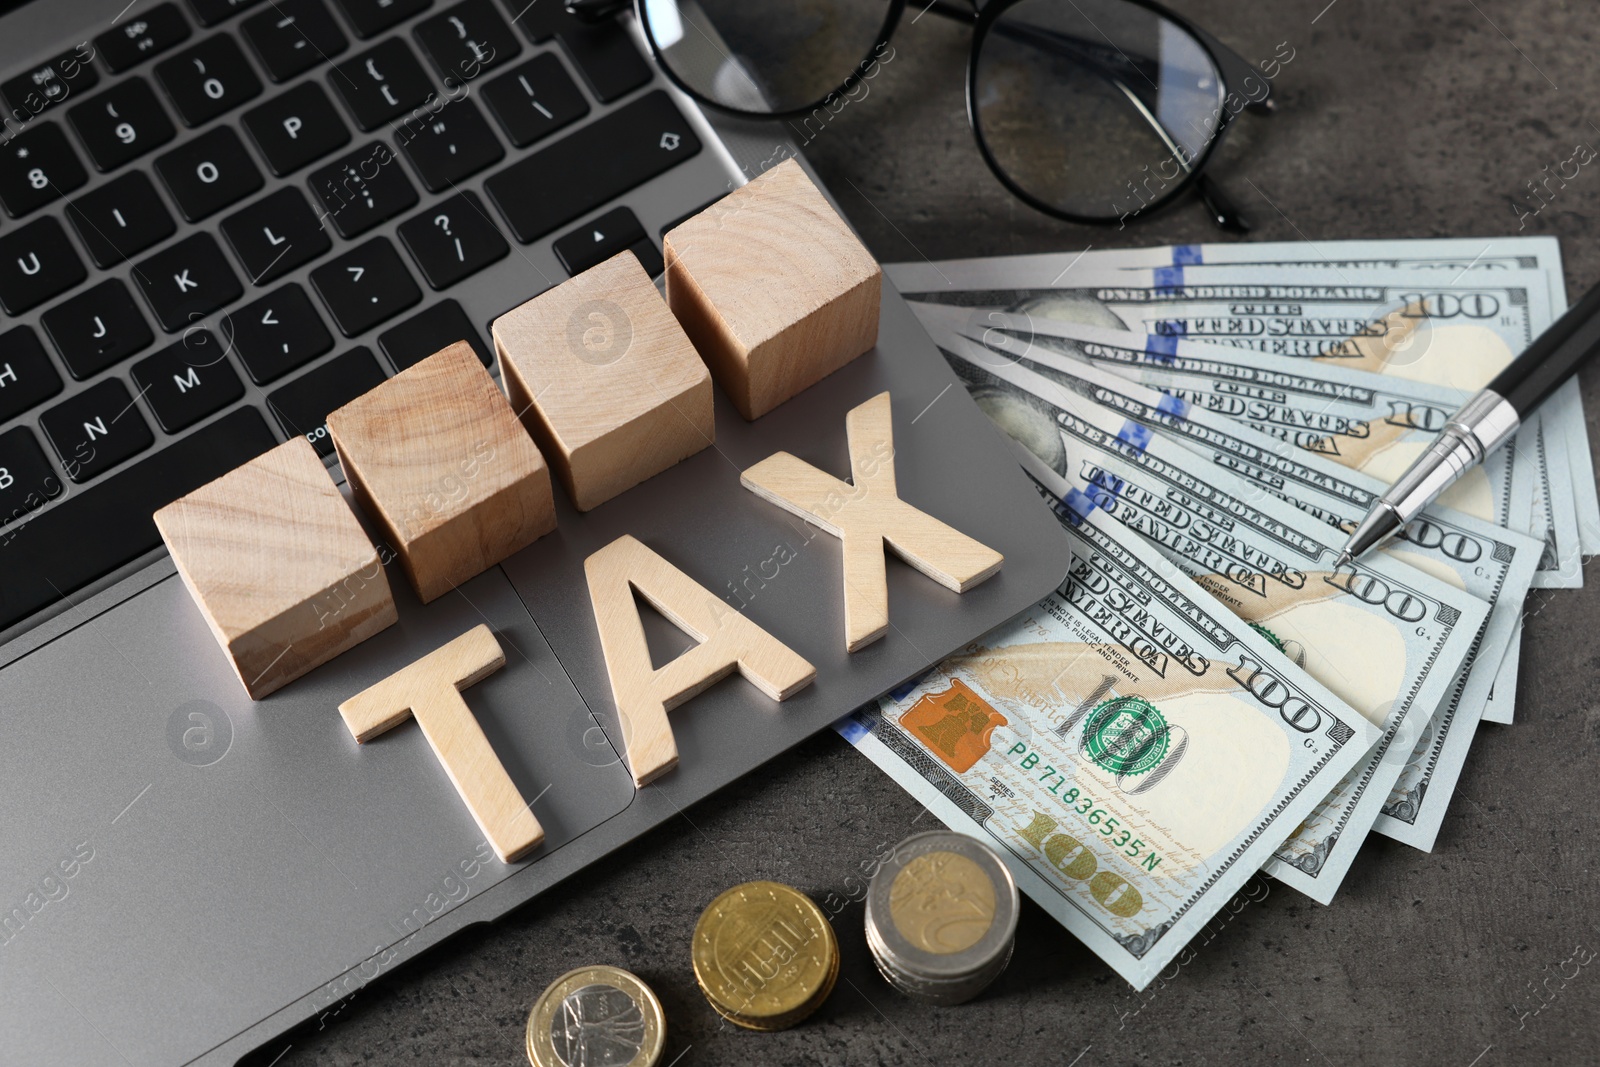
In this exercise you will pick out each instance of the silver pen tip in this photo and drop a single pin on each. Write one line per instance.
(1344, 557)
(1376, 527)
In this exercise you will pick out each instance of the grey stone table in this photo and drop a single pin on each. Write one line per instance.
(1422, 119)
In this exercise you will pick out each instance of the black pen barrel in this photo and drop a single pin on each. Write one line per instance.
(1553, 357)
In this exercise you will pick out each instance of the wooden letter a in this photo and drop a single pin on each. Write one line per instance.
(727, 639)
(867, 514)
(430, 691)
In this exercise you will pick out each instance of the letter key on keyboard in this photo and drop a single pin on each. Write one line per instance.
(120, 219)
(98, 328)
(188, 281)
(36, 263)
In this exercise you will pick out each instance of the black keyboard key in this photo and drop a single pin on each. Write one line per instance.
(26, 376)
(302, 406)
(453, 239)
(607, 58)
(38, 166)
(93, 532)
(365, 286)
(187, 282)
(363, 188)
(465, 40)
(147, 34)
(27, 480)
(275, 235)
(121, 124)
(372, 17)
(96, 429)
(293, 37)
(595, 242)
(187, 381)
(450, 145)
(120, 219)
(274, 335)
(535, 100)
(381, 83)
(596, 164)
(430, 331)
(208, 79)
(604, 53)
(208, 173)
(96, 329)
(36, 263)
(296, 128)
(540, 19)
(211, 12)
(51, 82)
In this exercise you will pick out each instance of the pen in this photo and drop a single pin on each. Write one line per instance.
(1483, 424)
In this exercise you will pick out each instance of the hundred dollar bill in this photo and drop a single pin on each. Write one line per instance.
(1485, 561)
(1455, 333)
(1562, 413)
(1388, 639)
(1132, 750)
(1368, 422)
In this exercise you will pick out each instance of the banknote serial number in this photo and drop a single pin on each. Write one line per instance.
(1075, 800)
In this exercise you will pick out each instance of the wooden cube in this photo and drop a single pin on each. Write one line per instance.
(435, 456)
(279, 566)
(605, 380)
(774, 289)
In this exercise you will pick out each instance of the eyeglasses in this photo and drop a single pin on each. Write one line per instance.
(1093, 111)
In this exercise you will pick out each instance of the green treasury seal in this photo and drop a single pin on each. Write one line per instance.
(1271, 637)
(1126, 735)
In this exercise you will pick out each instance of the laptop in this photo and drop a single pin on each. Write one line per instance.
(225, 218)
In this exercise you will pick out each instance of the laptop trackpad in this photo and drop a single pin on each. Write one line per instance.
(226, 855)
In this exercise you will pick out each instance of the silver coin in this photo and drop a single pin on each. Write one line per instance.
(597, 1026)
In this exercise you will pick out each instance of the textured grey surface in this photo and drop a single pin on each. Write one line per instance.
(1416, 120)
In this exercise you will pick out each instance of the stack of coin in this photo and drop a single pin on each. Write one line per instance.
(765, 955)
(596, 1015)
(942, 917)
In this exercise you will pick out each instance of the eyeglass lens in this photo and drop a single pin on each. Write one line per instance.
(1097, 108)
(764, 56)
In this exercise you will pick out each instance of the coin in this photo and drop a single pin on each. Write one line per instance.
(596, 1017)
(942, 902)
(764, 955)
(941, 917)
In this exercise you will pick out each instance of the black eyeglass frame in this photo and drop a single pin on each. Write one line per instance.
(1232, 68)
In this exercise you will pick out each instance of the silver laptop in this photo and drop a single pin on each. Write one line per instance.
(224, 218)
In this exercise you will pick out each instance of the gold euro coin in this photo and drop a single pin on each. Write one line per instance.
(765, 956)
(596, 1016)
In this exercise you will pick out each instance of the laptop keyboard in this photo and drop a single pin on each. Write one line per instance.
(134, 385)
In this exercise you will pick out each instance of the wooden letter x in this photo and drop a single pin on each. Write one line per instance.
(430, 691)
(727, 639)
(868, 515)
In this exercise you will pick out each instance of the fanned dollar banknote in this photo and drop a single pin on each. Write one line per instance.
(1563, 413)
(1387, 638)
(1470, 554)
(1208, 422)
(1457, 333)
(1371, 423)
(1133, 750)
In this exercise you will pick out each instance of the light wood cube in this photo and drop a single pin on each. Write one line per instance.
(606, 380)
(774, 289)
(435, 456)
(279, 566)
